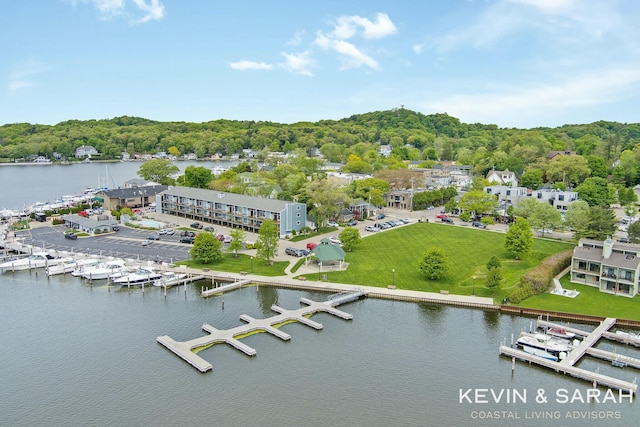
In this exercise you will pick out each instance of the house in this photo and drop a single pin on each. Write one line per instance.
(248, 153)
(505, 177)
(400, 199)
(88, 225)
(555, 155)
(557, 198)
(507, 195)
(85, 151)
(132, 197)
(610, 266)
(232, 210)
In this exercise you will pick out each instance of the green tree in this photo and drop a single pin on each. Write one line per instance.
(519, 238)
(598, 166)
(350, 238)
(627, 197)
(577, 218)
(326, 199)
(545, 216)
(158, 170)
(602, 223)
(634, 232)
(197, 176)
(478, 202)
(532, 178)
(434, 263)
(568, 170)
(594, 191)
(526, 207)
(494, 279)
(206, 248)
(494, 262)
(237, 241)
(267, 240)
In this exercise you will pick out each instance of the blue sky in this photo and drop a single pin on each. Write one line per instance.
(514, 63)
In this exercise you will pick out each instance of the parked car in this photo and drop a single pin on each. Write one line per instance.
(382, 226)
(186, 239)
(146, 242)
(220, 237)
(294, 252)
(371, 228)
(380, 216)
(447, 220)
(70, 235)
(352, 223)
(441, 215)
(209, 229)
(196, 225)
(227, 239)
(430, 208)
(168, 231)
(478, 224)
(545, 231)
(624, 240)
(399, 222)
(332, 224)
(406, 220)
(391, 223)
(335, 240)
(187, 233)
(154, 236)
(311, 245)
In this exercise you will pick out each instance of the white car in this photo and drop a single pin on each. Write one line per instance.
(371, 228)
(335, 240)
(332, 224)
(168, 231)
(545, 231)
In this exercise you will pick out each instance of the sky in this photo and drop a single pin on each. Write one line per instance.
(513, 63)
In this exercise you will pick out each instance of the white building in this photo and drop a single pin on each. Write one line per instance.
(557, 198)
(505, 177)
(85, 151)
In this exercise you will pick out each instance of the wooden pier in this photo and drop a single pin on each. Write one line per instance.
(621, 338)
(185, 349)
(567, 365)
(225, 288)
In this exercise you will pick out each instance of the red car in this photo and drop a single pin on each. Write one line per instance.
(311, 245)
(440, 216)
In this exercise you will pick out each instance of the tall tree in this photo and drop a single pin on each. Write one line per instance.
(634, 232)
(570, 170)
(206, 248)
(602, 223)
(531, 178)
(519, 238)
(197, 176)
(478, 202)
(545, 217)
(237, 241)
(350, 238)
(267, 240)
(594, 191)
(577, 218)
(158, 170)
(326, 199)
(434, 263)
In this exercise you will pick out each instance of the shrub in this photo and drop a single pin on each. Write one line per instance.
(537, 280)
(522, 292)
(487, 220)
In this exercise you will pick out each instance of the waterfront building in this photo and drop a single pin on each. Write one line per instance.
(232, 210)
(103, 224)
(133, 197)
(85, 151)
(612, 267)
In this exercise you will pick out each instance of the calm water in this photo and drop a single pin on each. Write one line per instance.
(79, 355)
(74, 355)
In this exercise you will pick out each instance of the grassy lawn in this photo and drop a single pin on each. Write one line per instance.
(467, 250)
(590, 301)
(240, 263)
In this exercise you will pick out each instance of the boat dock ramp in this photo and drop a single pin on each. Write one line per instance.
(225, 288)
(185, 349)
(567, 365)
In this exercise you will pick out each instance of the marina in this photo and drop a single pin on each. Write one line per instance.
(566, 364)
(185, 349)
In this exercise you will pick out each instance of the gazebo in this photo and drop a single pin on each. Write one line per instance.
(328, 253)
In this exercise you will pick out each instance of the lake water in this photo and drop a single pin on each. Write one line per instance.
(76, 355)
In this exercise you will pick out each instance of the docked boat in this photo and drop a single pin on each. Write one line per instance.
(544, 342)
(169, 278)
(561, 333)
(36, 260)
(137, 277)
(69, 265)
(106, 270)
(540, 353)
(90, 265)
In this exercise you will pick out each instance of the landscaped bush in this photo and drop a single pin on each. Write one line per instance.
(539, 278)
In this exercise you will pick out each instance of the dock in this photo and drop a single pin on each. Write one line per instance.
(224, 288)
(621, 338)
(567, 365)
(185, 349)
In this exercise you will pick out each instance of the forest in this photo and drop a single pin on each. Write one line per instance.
(610, 148)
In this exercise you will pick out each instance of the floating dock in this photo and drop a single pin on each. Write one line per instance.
(224, 288)
(185, 349)
(567, 365)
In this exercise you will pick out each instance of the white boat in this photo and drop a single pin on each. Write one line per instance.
(539, 353)
(36, 260)
(169, 278)
(69, 265)
(137, 277)
(90, 265)
(544, 342)
(561, 333)
(106, 270)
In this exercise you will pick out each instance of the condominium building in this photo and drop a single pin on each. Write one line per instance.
(612, 267)
(232, 210)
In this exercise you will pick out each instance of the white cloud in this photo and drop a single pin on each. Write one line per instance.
(515, 103)
(153, 10)
(23, 75)
(298, 63)
(297, 39)
(108, 9)
(347, 27)
(250, 65)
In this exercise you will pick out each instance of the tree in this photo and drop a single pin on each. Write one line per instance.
(577, 218)
(326, 199)
(568, 170)
(158, 170)
(197, 176)
(494, 279)
(519, 239)
(206, 248)
(478, 202)
(627, 197)
(434, 263)
(545, 216)
(494, 262)
(634, 232)
(532, 178)
(526, 207)
(237, 241)
(350, 237)
(601, 223)
(594, 191)
(598, 166)
(267, 240)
